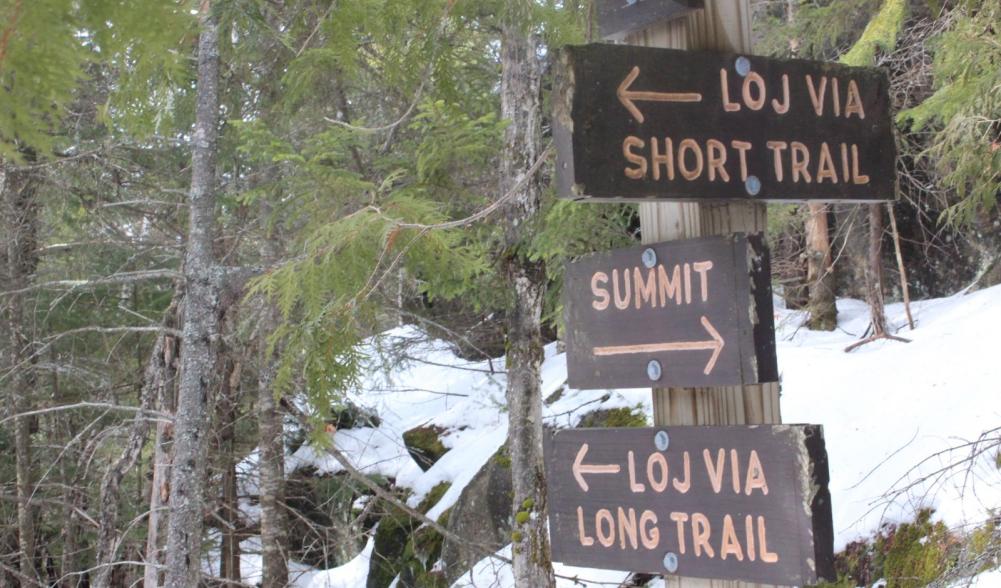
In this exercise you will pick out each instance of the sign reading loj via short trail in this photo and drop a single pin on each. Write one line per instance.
(639, 122)
(740, 503)
(686, 313)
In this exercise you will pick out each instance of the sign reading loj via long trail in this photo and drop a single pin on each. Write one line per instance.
(744, 503)
(639, 122)
(696, 312)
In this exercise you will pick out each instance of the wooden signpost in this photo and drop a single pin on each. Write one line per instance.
(684, 313)
(747, 503)
(640, 122)
(617, 18)
(701, 140)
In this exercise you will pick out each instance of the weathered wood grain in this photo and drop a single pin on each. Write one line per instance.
(703, 310)
(619, 110)
(775, 474)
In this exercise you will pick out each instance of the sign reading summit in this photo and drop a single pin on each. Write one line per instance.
(696, 312)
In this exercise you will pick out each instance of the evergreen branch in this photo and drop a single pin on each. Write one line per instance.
(376, 277)
(390, 126)
(492, 207)
(8, 31)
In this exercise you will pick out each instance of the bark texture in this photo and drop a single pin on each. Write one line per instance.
(201, 326)
(159, 486)
(272, 471)
(158, 373)
(19, 223)
(874, 271)
(819, 270)
(229, 514)
(520, 105)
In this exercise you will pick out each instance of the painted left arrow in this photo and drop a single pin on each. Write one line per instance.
(580, 468)
(628, 97)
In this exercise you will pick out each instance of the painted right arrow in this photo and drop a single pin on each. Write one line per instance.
(715, 343)
(628, 97)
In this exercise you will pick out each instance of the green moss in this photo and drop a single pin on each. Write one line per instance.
(917, 553)
(391, 540)
(424, 445)
(503, 459)
(406, 548)
(615, 417)
(432, 498)
(522, 517)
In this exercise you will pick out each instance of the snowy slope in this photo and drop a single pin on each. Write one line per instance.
(885, 408)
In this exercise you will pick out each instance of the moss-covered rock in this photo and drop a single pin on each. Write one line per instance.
(348, 415)
(391, 537)
(907, 555)
(403, 546)
(481, 515)
(918, 552)
(424, 445)
(614, 417)
(419, 557)
(325, 531)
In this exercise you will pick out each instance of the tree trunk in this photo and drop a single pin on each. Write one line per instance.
(520, 105)
(874, 271)
(271, 463)
(201, 326)
(156, 373)
(820, 273)
(19, 215)
(159, 486)
(852, 239)
(229, 567)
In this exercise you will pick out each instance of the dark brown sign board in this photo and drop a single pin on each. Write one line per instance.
(617, 18)
(735, 503)
(687, 313)
(639, 122)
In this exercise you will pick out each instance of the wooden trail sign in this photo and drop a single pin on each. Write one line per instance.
(639, 122)
(682, 313)
(617, 18)
(743, 503)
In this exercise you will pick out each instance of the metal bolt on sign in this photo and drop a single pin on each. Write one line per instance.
(671, 562)
(653, 370)
(649, 257)
(661, 440)
(743, 66)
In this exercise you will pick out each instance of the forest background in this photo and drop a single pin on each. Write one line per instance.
(207, 206)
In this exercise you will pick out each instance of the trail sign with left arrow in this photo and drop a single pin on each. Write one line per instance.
(742, 503)
(681, 313)
(639, 122)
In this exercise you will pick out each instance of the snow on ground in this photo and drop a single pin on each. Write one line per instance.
(885, 407)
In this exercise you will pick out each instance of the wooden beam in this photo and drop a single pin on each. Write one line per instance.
(723, 25)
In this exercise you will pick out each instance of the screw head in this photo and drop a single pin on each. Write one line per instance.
(743, 66)
(649, 257)
(653, 370)
(661, 440)
(671, 562)
(753, 185)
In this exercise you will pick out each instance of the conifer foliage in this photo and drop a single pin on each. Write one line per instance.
(207, 207)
